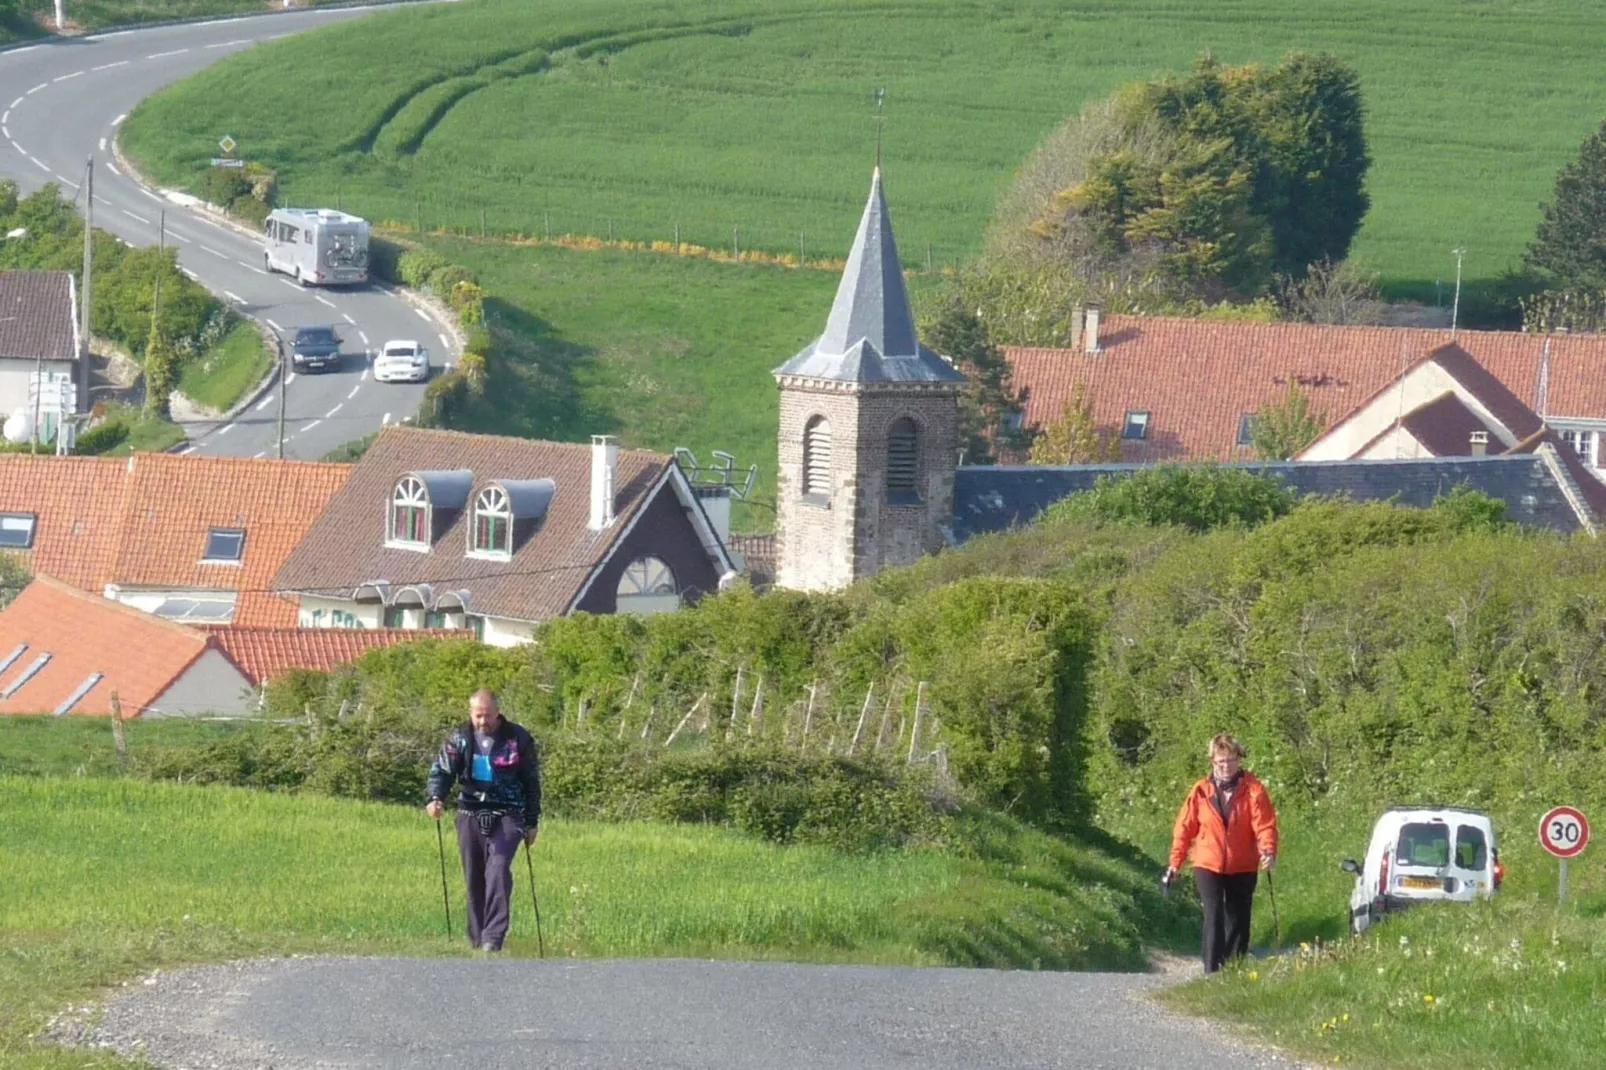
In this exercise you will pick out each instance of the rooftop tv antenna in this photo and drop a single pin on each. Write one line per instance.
(880, 124)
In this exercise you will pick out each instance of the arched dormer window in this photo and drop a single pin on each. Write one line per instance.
(817, 459)
(409, 514)
(492, 534)
(647, 586)
(903, 462)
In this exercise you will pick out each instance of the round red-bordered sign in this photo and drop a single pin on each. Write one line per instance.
(1564, 832)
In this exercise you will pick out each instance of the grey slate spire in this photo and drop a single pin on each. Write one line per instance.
(870, 335)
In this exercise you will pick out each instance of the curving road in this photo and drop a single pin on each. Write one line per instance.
(61, 103)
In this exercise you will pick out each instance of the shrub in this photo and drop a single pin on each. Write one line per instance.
(222, 186)
(1196, 497)
(104, 436)
(384, 258)
(416, 266)
(250, 210)
(445, 279)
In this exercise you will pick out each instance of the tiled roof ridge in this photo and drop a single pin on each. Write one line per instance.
(1111, 321)
(223, 460)
(397, 430)
(111, 604)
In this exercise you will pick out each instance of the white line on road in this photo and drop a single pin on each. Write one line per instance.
(131, 215)
(16, 102)
(289, 378)
(275, 326)
(264, 403)
(20, 51)
(102, 144)
(445, 345)
(360, 381)
(64, 77)
(20, 150)
(109, 66)
(164, 55)
(214, 252)
(36, 88)
(337, 408)
(113, 168)
(119, 120)
(311, 425)
(248, 267)
(230, 44)
(363, 336)
(357, 387)
(151, 195)
(6, 130)
(322, 300)
(180, 237)
(422, 314)
(347, 317)
(225, 429)
(190, 273)
(294, 286)
(41, 164)
(232, 296)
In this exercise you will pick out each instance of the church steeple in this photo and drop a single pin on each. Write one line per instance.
(870, 334)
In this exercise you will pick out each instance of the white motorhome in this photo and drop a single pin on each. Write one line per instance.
(317, 246)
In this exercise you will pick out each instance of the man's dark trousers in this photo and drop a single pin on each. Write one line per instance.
(1228, 899)
(488, 872)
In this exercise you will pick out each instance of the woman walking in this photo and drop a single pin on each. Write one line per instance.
(1228, 823)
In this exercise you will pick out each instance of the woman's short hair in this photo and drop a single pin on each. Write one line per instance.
(1225, 744)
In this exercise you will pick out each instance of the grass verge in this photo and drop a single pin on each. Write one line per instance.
(236, 364)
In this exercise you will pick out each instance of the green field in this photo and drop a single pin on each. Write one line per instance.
(634, 116)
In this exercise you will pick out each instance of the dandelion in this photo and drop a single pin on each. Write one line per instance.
(1254, 975)
(1428, 999)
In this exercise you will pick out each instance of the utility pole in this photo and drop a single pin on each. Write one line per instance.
(282, 390)
(1455, 305)
(89, 256)
(61, 16)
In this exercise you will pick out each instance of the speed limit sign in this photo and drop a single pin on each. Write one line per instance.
(1564, 832)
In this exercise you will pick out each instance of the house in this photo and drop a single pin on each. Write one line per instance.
(63, 650)
(38, 336)
(184, 537)
(1186, 390)
(446, 529)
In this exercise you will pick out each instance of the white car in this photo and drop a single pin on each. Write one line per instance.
(1424, 854)
(401, 362)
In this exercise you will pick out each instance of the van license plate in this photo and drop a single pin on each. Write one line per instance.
(1421, 882)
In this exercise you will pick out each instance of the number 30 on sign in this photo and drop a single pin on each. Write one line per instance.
(1564, 832)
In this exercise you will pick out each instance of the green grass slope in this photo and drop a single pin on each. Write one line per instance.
(636, 116)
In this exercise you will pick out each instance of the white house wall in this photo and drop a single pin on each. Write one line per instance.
(14, 375)
(338, 613)
(211, 686)
(502, 631)
(1398, 445)
(1417, 388)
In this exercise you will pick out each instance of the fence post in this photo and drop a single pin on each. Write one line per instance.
(886, 719)
(858, 732)
(755, 716)
(736, 241)
(646, 729)
(119, 740)
(677, 239)
(482, 222)
(548, 217)
(695, 706)
(736, 703)
(802, 249)
(808, 719)
(920, 716)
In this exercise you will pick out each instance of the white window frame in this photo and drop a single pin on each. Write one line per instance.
(1139, 420)
(1591, 451)
(637, 578)
(9, 522)
(492, 502)
(238, 560)
(408, 493)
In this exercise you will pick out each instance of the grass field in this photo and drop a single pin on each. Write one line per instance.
(238, 363)
(634, 116)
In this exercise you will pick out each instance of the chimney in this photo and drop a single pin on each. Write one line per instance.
(1092, 344)
(604, 473)
(1480, 443)
(1078, 325)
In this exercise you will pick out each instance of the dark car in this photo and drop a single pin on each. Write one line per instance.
(315, 349)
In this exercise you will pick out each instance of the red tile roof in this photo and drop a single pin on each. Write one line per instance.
(1197, 378)
(143, 521)
(139, 655)
(265, 653)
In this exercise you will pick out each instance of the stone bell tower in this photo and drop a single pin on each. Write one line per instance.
(869, 435)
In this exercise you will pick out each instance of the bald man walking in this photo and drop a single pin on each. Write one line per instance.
(497, 767)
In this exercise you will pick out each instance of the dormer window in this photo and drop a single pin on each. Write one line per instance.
(409, 514)
(224, 546)
(493, 524)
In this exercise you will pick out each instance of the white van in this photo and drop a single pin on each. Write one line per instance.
(1424, 854)
(316, 246)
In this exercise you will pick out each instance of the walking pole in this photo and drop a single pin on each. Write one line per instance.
(540, 940)
(446, 900)
(1276, 924)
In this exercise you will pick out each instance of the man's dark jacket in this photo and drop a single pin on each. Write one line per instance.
(515, 784)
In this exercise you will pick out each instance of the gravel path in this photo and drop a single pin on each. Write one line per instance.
(500, 1014)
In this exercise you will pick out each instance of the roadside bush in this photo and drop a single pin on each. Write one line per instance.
(104, 436)
(248, 209)
(416, 266)
(222, 186)
(1196, 497)
(384, 258)
(445, 279)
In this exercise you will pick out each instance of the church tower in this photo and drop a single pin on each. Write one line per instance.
(869, 435)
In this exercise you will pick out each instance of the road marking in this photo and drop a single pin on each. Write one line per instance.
(6, 117)
(236, 298)
(347, 317)
(230, 44)
(16, 102)
(293, 285)
(151, 195)
(360, 381)
(447, 346)
(264, 403)
(386, 420)
(179, 236)
(322, 300)
(289, 378)
(422, 314)
(131, 215)
(36, 89)
(214, 252)
(42, 165)
(248, 267)
(109, 66)
(358, 386)
(363, 336)
(113, 169)
(6, 130)
(102, 144)
(337, 408)
(119, 120)
(64, 77)
(20, 51)
(164, 55)
(225, 429)
(190, 273)
(275, 326)
(311, 425)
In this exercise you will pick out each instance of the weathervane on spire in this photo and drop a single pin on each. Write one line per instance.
(880, 124)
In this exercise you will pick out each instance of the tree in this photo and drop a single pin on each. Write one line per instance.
(14, 576)
(1570, 245)
(1075, 436)
(159, 371)
(1331, 293)
(1282, 428)
(989, 403)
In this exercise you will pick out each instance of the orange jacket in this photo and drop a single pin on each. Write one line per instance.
(1231, 847)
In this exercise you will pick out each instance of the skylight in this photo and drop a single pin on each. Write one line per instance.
(225, 545)
(27, 674)
(79, 692)
(16, 530)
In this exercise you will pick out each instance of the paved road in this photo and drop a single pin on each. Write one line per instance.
(61, 103)
(504, 1014)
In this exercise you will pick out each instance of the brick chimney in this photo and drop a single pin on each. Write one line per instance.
(1092, 343)
(1480, 443)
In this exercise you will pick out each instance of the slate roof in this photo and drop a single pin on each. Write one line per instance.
(38, 315)
(264, 653)
(1197, 379)
(989, 499)
(143, 521)
(870, 334)
(346, 547)
(140, 655)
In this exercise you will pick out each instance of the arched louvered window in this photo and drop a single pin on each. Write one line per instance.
(817, 457)
(493, 523)
(903, 461)
(409, 512)
(647, 586)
